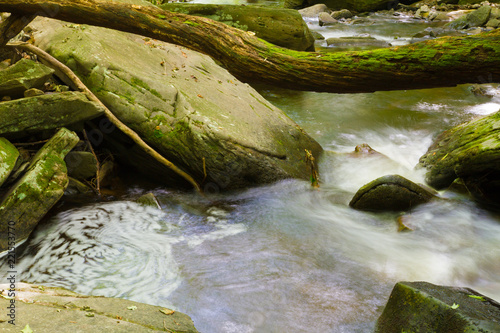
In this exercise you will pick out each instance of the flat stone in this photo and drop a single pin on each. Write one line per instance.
(46, 308)
(8, 158)
(390, 193)
(27, 115)
(32, 196)
(425, 307)
(23, 75)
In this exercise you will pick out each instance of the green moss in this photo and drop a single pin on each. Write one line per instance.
(191, 23)
(139, 83)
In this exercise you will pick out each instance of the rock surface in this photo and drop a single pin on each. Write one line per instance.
(390, 193)
(81, 164)
(279, 26)
(315, 10)
(189, 109)
(8, 158)
(23, 75)
(46, 308)
(43, 184)
(424, 307)
(49, 111)
(354, 5)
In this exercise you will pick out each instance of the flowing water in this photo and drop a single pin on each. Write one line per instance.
(286, 257)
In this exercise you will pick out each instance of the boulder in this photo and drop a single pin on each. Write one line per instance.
(81, 164)
(326, 19)
(468, 151)
(49, 111)
(8, 159)
(315, 10)
(192, 111)
(390, 193)
(355, 5)
(23, 75)
(44, 308)
(148, 199)
(493, 23)
(279, 26)
(459, 23)
(479, 17)
(425, 307)
(342, 14)
(43, 184)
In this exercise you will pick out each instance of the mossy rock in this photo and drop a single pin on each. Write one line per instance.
(8, 158)
(390, 193)
(279, 26)
(479, 17)
(425, 307)
(50, 111)
(355, 5)
(43, 184)
(23, 75)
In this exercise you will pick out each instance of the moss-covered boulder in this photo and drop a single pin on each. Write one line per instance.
(425, 307)
(32, 114)
(476, 18)
(282, 27)
(8, 159)
(470, 151)
(200, 117)
(31, 197)
(390, 193)
(23, 75)
(355, 5)
(50, 309)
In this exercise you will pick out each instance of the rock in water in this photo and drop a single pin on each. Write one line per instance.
(424, 307)
(355, 5)
(186, 107)
(390, 193)
(38, 190)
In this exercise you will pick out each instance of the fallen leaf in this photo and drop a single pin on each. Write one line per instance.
(167, 311)
(455, 306)
(27, 329)
(133, 307)
(184, 54)
(200, 96)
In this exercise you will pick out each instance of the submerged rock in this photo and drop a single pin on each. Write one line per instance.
(23, 75)
(390, 193)
(148, 199)
(8, 159)
(282, 27)
(425, 307)
(190, 110)
(43, 184)
(50, 307)
(49, 111)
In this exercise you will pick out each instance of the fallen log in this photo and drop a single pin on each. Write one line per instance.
(445, 61)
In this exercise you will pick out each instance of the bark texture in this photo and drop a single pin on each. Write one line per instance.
(445, 61)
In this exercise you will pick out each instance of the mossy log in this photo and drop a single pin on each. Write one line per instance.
(445, 61)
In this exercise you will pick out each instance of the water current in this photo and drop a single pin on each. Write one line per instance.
(286, 257)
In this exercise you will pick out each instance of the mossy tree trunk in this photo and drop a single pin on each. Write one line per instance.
(444, 61)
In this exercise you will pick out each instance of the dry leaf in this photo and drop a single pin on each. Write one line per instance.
(167, 311)
(200, 96)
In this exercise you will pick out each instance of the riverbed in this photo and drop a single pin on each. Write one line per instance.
(287, 257)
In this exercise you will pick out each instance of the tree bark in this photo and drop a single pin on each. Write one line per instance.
(445, 61)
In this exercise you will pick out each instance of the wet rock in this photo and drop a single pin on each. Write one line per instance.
(425, 307)
(23, 75)
(493, 23)
(50, 307)
(293, 4)
(8, 157)
(148, 199)
(358, 6)
(438, 16)
(49, 111)
(325, 19)
(318, 36)
(77, 187)
(314, 11)
(342, 14)
(364, 150)
(470, 151)
(81, 164)
(282, 27)
(43, 184)
(33, 92)
(390, 193)
(185, 106)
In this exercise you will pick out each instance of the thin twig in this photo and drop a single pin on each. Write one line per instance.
(64, 71)
(97, 164)
(21, 144)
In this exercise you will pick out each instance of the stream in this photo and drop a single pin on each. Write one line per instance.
(286, 257)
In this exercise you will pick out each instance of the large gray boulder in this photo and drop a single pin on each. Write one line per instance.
(390, 193)
(192, 111)
(31, 197)
(23, 75)
(52, 309)
(33, 114)
(282, 27)
(8, 159)
(425, 307)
